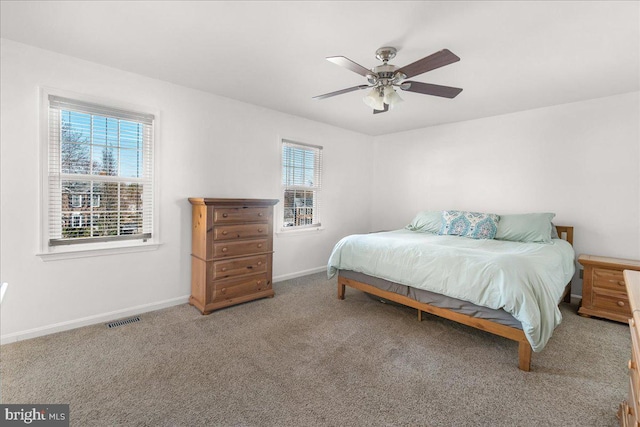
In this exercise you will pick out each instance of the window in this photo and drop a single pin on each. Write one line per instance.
(76, 200)
(301, 176)
(76, 220)
(100, 173)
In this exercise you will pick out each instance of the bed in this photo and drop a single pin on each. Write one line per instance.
(508, 282)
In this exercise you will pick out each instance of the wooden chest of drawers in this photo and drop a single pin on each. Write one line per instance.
(603, 288)
(628, 410)
(231, 251)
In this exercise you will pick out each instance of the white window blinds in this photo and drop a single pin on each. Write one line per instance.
(100, 176)
(301, 179)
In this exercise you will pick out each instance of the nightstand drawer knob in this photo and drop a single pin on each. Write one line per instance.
(225, 249)
(259, 245)
(621, 282)
(224, 233)
(224, 215)
(259, 230)
(223, 269)
(260, 214)
(621, 303)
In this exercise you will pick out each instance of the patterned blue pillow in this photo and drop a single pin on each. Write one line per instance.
(475, 225)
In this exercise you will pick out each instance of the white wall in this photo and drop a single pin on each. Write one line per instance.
(208, 146)
(579, 160)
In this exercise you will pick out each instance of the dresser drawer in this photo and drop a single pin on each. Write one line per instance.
(608, 279)
(623, 414)
(632, 409)
(238, 267)
(612, 302)
(634, 366)
(230, 249)
(240, 231)
(240, 214)
(236, 288)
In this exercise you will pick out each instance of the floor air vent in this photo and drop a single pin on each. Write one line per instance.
(117, 323)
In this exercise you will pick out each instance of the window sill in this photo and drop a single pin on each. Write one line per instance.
(299, 232)
(69, 252)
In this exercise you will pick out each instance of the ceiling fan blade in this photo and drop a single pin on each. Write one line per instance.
(386, 108)
(349, 64)
(431, 62)
(430, 89)
(341, 91)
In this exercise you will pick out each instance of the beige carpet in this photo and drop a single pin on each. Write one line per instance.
(304, 358)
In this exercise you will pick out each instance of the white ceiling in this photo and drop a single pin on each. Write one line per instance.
(514, 55)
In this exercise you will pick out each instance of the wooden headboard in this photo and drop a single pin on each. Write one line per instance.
(565, 233)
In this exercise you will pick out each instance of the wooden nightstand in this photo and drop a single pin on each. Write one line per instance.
(603, 288)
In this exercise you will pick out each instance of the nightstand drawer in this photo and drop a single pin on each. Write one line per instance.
(611, 302)
(608, 279)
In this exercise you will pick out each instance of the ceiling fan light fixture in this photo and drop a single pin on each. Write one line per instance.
(391, 97)
(374, 100)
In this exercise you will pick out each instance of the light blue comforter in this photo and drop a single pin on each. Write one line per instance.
(524, 279)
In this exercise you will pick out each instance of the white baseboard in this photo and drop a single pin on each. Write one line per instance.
(299, 274)
(90, 320)
(118, 314)
(132, 311)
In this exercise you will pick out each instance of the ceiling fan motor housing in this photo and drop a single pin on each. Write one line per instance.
(386, 53)
(385, 74)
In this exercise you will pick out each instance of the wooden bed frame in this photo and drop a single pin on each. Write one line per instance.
(524, 348)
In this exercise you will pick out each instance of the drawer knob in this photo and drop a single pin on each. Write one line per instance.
(224, 215)
(224, 233)
(225, 249)
(223, 290)
(259, 262)
(631, 365)
(223, 269)
(259, 230)
(621, 282)
(260, 214)
(621, 303)
(259, 245)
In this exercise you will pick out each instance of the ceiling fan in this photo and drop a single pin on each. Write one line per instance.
(384, 78)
